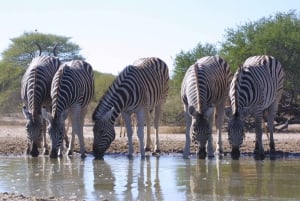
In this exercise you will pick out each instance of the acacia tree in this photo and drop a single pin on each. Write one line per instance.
(23, 49)
(276, 35)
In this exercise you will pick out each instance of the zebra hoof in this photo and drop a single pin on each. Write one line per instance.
(259, 155)
(202, 153)
(235, 154)
(147, 149)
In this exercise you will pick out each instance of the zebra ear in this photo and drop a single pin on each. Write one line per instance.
(46, 115)
(26, 113)
(192, 111)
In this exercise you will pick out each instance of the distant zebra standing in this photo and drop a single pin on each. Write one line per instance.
(35, 92)
(71, 91)
(205, 87)
(256, 88)
(139, 88)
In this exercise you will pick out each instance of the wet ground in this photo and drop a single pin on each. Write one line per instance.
(13, 143)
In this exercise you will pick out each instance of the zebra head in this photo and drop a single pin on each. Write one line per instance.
(235, 135)
(34, 132)
(200, 129)
(56, 130)
(104, 134)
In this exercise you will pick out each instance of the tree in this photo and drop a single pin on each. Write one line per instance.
(276, 35)
(184, 60)
(23, 49)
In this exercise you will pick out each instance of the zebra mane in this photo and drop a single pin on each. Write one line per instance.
(236, 85)
(198, 88)
(56, 80)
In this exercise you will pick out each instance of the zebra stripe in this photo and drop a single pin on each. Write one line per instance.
(139, 88)
(205, 87)
(71, 91)
(255, 89)
(35, 92)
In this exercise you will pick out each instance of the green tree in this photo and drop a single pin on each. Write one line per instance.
(185, 59)
(276, 35)
(23, 48)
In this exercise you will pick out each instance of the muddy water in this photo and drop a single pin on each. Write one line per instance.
(165, 178)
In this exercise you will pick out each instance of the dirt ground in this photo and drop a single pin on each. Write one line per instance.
(13, 142)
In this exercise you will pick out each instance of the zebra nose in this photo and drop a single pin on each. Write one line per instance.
(98, 154)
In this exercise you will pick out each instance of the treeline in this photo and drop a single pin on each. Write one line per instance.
(276, 35)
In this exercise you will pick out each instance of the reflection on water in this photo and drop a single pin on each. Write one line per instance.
(164, 178)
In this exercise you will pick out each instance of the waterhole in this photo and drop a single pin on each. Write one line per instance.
(156, 178)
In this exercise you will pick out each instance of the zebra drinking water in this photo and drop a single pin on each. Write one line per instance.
(35, 92)
(204, 88)
(255, 89)
(139, 88)
(71, 92)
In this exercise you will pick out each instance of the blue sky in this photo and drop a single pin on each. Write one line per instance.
(112, 34)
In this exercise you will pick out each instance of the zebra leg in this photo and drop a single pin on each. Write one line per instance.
(148, 139)
(128, 125)
(45, 145)
(140, 131)
(80, 132)
(188, 120)
(219, 123)
(210, 149)
(156, 127)
(272, 111)
(259, 153)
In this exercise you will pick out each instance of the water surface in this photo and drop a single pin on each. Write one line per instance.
(165, 178)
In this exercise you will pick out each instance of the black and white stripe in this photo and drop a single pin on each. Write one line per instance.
(71, 91)
(205, 87)
(255, 89)
(139, 88)
(35, 93)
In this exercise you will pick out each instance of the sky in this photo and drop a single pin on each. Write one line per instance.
(114, 33)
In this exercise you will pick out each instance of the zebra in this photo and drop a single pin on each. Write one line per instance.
(35, 92)
(71, 91)
(140, 88)
(204, 89)
(256, 90)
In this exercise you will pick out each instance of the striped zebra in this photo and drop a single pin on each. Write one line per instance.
(256, 89)
(35, 92)
(139, 88)
(204, 89)
(71, 91)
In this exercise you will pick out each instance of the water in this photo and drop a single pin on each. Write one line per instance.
(166, 178)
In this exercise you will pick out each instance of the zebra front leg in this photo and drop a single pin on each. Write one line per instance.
(140, 131)
(270, 118)
(148, 139)
(156, 127)
(210, 148)
(219, 119)
(128, 124)
(188, 131)
(259, 153)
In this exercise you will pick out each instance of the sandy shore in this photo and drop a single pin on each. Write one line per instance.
(13, 142)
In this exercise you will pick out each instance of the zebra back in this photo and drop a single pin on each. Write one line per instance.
(206, 82)
(72, 83)
(143, 84)
(36, 83)
(258, 82)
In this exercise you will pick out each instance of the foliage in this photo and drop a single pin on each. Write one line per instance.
(102, 82)
(23, 48)
(184, 60)
(10, 86)
(276, 35)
